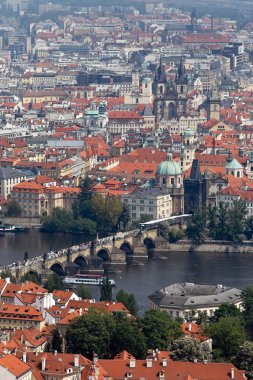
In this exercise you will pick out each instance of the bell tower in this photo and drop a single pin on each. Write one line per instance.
(214, 105)
(182, 89)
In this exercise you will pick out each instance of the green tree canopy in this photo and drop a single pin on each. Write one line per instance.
(244, 359)
(8, 274)
(226, 310)
(228, 335)
(106, 290)
(128, 336)
(53, 282)
(90, 334)
(247, 296)
(128, 300)
(56, 344)
(189, 349)
(84, 292)
(13, 209)
(196, 230)
(160, 329)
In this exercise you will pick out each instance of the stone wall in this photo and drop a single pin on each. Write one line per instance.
(21, 221)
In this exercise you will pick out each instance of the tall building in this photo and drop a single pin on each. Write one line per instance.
(195, 190)
(170, 96)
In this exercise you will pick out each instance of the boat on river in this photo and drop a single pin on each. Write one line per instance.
(7, 228)
(87, 279)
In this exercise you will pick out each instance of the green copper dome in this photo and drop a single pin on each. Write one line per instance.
(188, 132)
(169, 167)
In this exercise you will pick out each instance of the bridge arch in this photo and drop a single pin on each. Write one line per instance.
(58, 269)
(127, 248)
(34, 274)
(81, 261)
(104, 254)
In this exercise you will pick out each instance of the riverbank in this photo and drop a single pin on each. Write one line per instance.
(207, 247)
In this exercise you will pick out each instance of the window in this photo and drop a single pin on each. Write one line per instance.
(142, 201)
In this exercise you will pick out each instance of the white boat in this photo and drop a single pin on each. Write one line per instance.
(87, 279)
(7, 228)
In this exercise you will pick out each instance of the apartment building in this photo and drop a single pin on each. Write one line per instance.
(153, 202)
(36, 199)
(9, 177)
(22, 317)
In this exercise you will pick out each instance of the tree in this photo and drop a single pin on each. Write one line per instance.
(226, 310)
(196, 229)
(8, 274)
(171, 234)
(90, 333)
(237, 221)
(30, 277)
(221, 230)
(84, 292)
(106, 290)
(105, 211)
(189, 349)
(56, 344)
(249, 228)
(247, 296)
(127, 336)
(53, 282)
(160, 329)
(59, 221)
(228, 335)
(212, 221)
(13, 209)
(244, 359)
(128, 300)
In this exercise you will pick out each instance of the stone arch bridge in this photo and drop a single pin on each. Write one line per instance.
(111, 250)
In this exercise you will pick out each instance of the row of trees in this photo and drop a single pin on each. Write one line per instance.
(109, 334)
(221, 223)
(90, 214)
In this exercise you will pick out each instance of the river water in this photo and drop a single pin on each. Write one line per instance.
(206, 268)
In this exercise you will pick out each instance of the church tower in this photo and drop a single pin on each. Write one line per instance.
(214, 105)
(194, 20)
(170, 95)
(182, 89)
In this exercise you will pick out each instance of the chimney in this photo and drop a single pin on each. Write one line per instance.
(55, 352)
(76, 361)
(43, 364)
(24, 357)
(149, 363)
(132, 363)
(190, 327)
(164, 362)
(95, 358)
(232, 373)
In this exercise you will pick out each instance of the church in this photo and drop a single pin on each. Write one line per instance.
(170, 95)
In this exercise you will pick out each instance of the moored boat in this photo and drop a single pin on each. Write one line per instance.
(7, 228)
(87, 279)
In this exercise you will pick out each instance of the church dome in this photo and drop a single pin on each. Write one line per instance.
(168, 167)
(188, 132)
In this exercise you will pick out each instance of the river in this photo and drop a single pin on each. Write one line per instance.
(207, 268)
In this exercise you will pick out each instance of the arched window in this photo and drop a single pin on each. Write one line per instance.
(238, 174)
(161, 89)
(172, 181)
(164, 181)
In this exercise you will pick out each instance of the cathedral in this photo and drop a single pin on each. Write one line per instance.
(170, 95)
